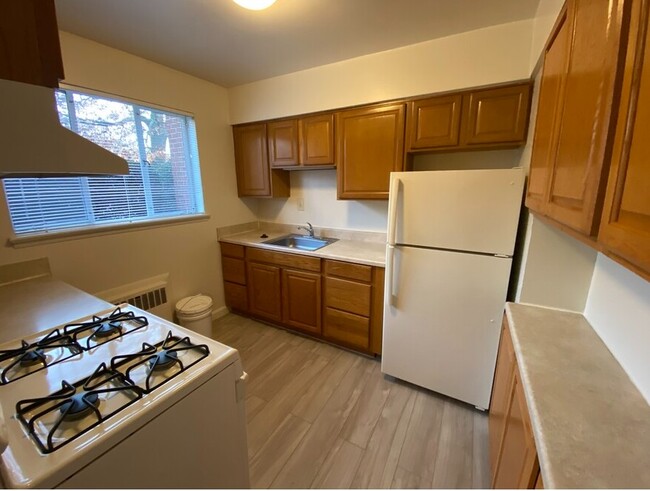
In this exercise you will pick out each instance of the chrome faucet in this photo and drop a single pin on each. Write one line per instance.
(309, 229)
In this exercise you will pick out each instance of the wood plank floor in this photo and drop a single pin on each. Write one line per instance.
(322, 417)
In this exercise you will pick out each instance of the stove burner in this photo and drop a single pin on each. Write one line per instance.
(79, 405)
(32, 357)
(108, 328)
(100, 330)
(163, 360)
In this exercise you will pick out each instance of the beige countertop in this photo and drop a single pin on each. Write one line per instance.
(357, 251)
(591, 424)
(39, 304)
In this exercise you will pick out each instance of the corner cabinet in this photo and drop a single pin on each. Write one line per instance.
(513, 455)
(337, 301)
(369, 146)
(577, 111)
(30, 49)
(254, 175)
(625, 225)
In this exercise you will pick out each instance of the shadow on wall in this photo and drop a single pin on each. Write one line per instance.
(485, 159)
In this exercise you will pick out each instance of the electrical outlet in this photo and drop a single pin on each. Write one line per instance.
(301, 204)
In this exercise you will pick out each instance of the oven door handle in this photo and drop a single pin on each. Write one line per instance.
(4, 434)
(240, 387)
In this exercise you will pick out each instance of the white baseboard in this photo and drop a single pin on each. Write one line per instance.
(220, 312)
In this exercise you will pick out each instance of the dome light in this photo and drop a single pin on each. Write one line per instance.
(254, 4)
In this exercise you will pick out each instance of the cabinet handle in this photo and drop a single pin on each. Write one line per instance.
(390, 292)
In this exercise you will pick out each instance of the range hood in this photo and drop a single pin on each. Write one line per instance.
(34, 144)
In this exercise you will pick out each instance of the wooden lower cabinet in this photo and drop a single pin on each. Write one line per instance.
(301, 299)
(353, 305)
(264, 298)
(501, 392)
(337, 301)
(513, 455)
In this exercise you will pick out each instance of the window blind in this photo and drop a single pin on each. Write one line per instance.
(164, 176)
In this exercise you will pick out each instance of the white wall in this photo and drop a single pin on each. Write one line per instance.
(618, 308)
(484, 56)
(557, 270)
(321, 208)
(188, 252)
(480, 57)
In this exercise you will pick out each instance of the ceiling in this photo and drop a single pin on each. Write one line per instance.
(219, 41)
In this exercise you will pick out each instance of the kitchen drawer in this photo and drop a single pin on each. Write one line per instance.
(287, 260)
(234, 270)
(348, 270)
(349, 329)
(236, 296)
(348, 296)
(232, 250)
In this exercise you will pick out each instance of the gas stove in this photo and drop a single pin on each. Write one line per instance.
(71, 394)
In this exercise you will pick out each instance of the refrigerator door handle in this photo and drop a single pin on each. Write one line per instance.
(391, 294)
(393, 195)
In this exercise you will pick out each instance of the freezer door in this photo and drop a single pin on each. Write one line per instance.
(442, 317)
(470, 210)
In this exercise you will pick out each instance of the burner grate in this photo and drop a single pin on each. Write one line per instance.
(55, 420)
(157, 364)
(29, 358)
(101, 330)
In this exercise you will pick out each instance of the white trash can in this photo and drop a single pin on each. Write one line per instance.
(195, 313)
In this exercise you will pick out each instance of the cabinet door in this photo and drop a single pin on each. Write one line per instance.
(317, 140)
(577, 183)
(254, 176)
(29, 42)
(283, 143)
(501, 390)
(301, 297)
(434, 122)
(264, 298)
(517, 465)
(556, 56)
(625, 227)
(369, 146)
(496, 116)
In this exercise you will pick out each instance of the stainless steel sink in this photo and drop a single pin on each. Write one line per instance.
(302, 242)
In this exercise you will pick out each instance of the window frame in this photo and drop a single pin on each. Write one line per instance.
(93, 228)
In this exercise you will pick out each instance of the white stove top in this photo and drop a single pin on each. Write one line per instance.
(32, 460)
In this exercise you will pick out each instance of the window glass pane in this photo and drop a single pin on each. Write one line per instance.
(163, 180)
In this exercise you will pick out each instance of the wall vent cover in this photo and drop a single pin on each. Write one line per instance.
(147, 300)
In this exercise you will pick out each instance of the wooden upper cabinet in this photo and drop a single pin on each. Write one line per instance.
(496, 116)
(254, 176)
(556, 56)
(316, 135)
(369, 146)
(434, 122)
(283, 143)
(30, 50)
(582, 122)
(625, 224)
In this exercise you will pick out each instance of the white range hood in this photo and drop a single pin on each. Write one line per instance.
(34, 144)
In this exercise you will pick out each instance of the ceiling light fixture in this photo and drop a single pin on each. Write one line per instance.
(254, 4)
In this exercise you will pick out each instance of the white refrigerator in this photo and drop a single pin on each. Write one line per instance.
(451, 236)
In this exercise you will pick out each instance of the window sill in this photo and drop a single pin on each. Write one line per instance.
(98, 230)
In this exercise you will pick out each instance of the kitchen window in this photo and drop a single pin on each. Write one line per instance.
(164, 177)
